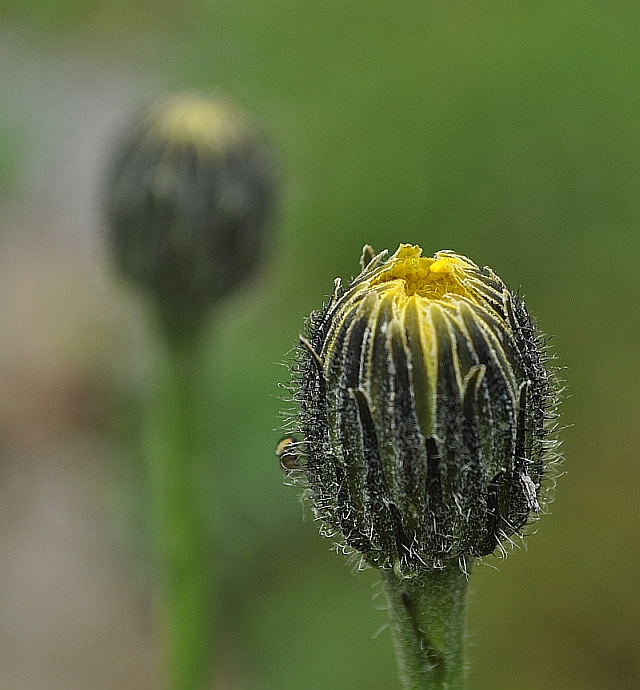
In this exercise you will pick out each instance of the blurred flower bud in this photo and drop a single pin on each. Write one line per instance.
(424, 402)
(189, 194)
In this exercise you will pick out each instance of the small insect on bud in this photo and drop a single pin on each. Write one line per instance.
(288, 452)
(424, 399)
(189, 194)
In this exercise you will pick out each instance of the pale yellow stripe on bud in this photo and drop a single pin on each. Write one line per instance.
(423, 348)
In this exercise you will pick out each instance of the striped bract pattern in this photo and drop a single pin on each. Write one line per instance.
(423, 397)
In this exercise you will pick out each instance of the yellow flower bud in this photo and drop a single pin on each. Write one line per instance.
(423, 400)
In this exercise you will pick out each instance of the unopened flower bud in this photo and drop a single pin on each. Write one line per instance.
(423, 399)
(189, 193)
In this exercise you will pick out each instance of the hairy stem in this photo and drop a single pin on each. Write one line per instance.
(181, 536)
(427, 616)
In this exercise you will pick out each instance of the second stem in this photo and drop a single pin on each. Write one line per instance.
(181, 537)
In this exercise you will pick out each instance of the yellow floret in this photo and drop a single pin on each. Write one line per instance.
(432, 278)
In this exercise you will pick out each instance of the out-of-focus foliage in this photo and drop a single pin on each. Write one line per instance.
(504, 131)
(8, 161)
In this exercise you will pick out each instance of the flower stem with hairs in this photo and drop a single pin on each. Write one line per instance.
(427, 617)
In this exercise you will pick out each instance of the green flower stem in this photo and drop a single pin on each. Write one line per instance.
(427, 616)
(181, 537)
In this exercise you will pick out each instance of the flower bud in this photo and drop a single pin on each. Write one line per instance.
(189, 193)
(423, 401)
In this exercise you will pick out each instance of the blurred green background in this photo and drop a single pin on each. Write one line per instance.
(506, 131)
